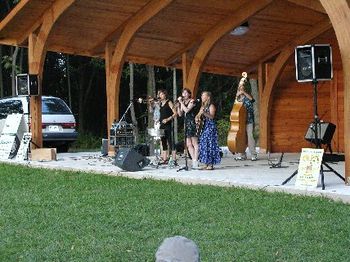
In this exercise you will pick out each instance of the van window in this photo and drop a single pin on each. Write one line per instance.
(10, 107)
(54, 106)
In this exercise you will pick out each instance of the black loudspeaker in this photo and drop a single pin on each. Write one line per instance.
(142, 149)
(313, 62)
(325, 133)
(27, 85)
(130, 160)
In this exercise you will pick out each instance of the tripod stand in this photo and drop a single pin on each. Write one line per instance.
(317, 142)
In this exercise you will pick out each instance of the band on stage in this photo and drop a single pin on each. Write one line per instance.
(199, 126)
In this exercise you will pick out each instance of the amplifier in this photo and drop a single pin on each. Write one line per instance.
(122, 135)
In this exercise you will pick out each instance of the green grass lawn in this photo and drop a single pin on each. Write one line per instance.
(48, 215)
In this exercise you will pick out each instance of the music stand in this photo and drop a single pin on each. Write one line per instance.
(317, 143)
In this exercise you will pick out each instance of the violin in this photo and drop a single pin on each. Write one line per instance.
(237, 136)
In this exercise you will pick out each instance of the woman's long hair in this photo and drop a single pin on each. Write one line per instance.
(207, 103)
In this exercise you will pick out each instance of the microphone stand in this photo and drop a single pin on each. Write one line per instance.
(185, 148)
(123, 116)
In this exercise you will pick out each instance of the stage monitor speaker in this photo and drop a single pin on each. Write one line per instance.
(130, 160)
(27, 85)
(313, 62)
(325, 133)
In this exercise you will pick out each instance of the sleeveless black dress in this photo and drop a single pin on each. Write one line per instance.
(167, 139)
(190, 123)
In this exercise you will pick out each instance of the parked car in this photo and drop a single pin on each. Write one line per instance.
(58, 122)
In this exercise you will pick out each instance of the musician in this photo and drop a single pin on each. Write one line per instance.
(187, 107)
(209, 152)
(154, 107)
(167, 115)
(248, 100)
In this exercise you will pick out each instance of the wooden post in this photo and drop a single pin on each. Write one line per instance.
(338, 12)
(35, 67)
(36, 57)
(334, 109)
(112, 108)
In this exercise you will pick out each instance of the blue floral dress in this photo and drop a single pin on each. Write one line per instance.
(209, 151)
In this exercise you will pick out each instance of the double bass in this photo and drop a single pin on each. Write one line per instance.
(237, 135)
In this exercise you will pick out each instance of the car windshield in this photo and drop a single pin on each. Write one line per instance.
(55, 106)
(10, 107)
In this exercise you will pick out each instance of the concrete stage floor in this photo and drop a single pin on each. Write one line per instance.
(249, 174)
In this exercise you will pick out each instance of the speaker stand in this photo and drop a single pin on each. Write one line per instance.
(318, 144)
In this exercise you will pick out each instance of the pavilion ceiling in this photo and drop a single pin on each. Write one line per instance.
(87, 25)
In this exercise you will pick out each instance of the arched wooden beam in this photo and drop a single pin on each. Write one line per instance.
(117, 58)
(216, 33)
(36, 57)
(13, 13)
(312, 5)
(273, 75)
(338, 12)
(186, 64)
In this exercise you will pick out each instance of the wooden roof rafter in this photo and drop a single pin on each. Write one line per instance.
(216, 33)
(112, 37)
(317, 30)
(130, 29)
(49, 18)
(13, 13)
(313, 5)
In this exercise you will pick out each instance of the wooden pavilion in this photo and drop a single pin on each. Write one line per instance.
(195, 37)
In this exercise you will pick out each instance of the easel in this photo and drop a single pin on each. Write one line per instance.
(317, 143)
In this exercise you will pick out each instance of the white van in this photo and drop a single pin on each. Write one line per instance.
(58, 122)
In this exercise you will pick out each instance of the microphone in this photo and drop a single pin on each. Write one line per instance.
(197, 100)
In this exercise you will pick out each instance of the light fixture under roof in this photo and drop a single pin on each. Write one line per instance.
(240, 30)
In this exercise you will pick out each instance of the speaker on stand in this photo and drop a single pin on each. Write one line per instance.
(27, 85)
(313, 63)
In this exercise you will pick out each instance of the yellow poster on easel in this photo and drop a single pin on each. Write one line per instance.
(309, 167)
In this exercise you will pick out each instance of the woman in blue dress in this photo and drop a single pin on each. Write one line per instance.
(209, 152)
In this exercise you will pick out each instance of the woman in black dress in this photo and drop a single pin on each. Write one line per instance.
(187, 107)
(167, 115)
